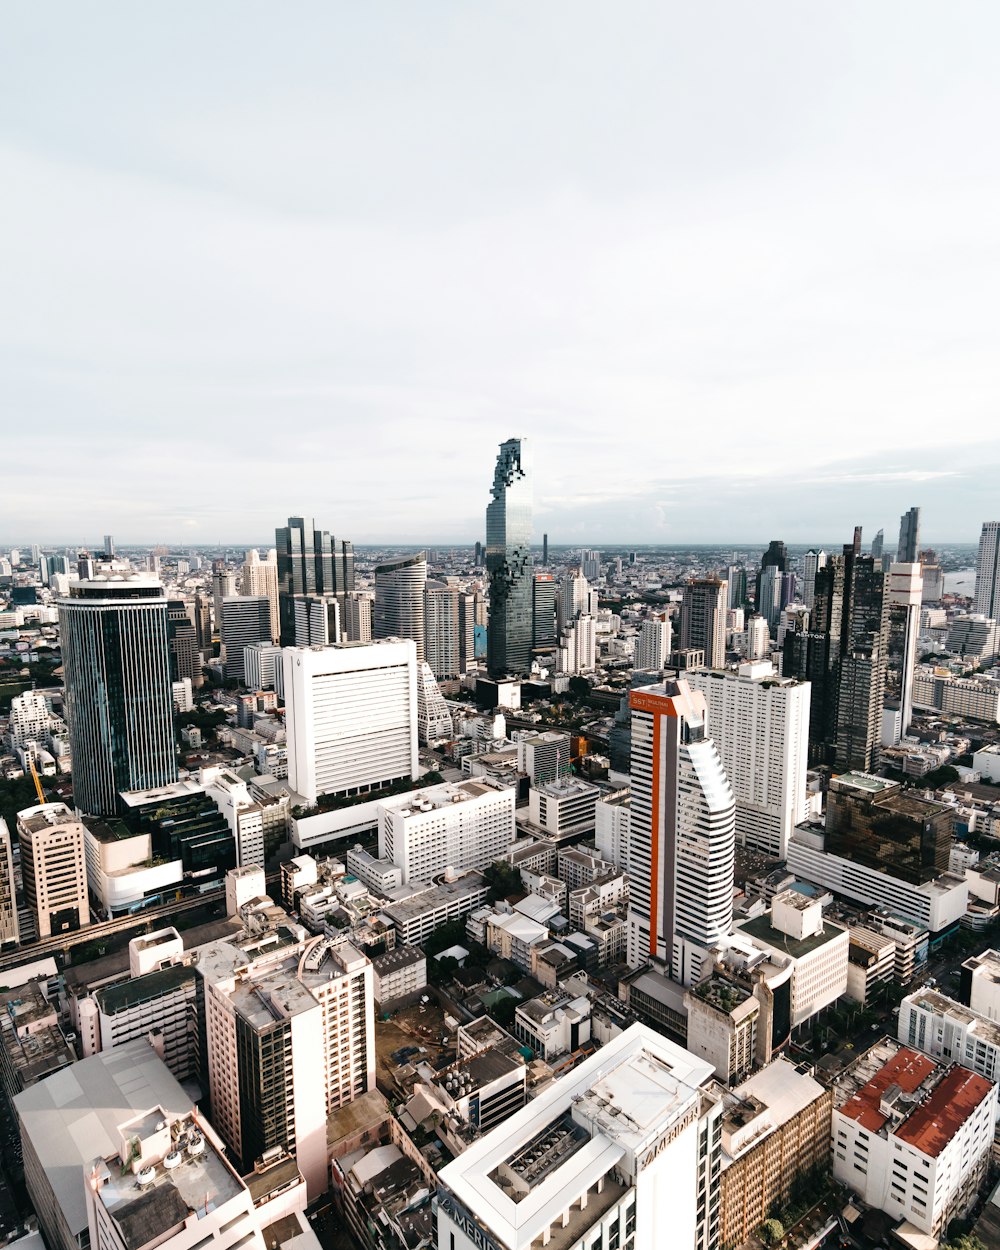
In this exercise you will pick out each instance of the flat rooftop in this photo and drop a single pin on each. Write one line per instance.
(446, 795)
(763, 931)
(866, 782)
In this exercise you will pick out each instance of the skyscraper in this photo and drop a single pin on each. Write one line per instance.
(908, 548)
(182, 639)
(775, 557)
(683, 832)
(109, 546)
(545, 549)
(399, 600)
(359, 613)
(543, 612)
(652, 647)
(310, 562)
(509, 563)
(442, 634)
(878, 543)
(863, 656)
(246, 619)
(904, 591)
(223, 584)
(703, 619)
(812, 562)
(988, 571)
(118, 689)
(260, 577)
(9, 928)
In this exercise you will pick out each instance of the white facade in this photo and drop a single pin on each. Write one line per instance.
(563, 807)
(613, 829)
(968, 697)
(611, 1155)
(760, 725)
(434, 722)
(262, 666)
(984, 984)
(987, 601)
(914, 1140)
(30, 715)
(950, 1032)
(465, 825)
(653, 645)
(934, 905)
(351, 714)
(577, 652)
(260, 578)
(683, 832)
(53, 868)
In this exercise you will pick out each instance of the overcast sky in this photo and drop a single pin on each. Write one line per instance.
(733, 268)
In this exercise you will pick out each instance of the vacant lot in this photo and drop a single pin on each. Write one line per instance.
(409, 1027)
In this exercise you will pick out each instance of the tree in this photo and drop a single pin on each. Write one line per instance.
(967, 1241)
(579, 689)
(938, 777)
(771, 1232)
(503, 879)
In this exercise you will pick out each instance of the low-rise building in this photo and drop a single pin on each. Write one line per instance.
(563, 809)
(553, 1024)
(722, 1019)
(913, 1138)
(398, 976)
(871, 959)
(949, 1031)
(415, 911)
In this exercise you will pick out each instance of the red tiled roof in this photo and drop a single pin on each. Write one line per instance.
(906, 1068)
(932, 1125)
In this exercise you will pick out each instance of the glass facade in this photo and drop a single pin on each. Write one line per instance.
(310, 562)
(509, 563)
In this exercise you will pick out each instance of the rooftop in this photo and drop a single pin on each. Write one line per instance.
(932, 1125)
(152, 985)
(906, 1069)
(863, 781)
(447, 794)
(761, 930)
(399, 957)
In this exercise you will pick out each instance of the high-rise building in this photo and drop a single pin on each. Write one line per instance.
(109, 546)
(399, 600)
(246, 619)
(776, 557)
(543, 756)
(736, 578)
(260, 577)
(703, 618)
(315, 620)
(863, 656)
(904, 592)
(544, 1176)
(119, 697)
(351, 716)
(908, 547)
(287, 1037)
(812, 562)
(573, 598)
(30, 717)
(442, 629)
(770, 583)
(683, 837)
(878, 544)
(543, 612)
(590, 565)
(577, 650)
(760, 725)
(310, 562)
(182, 641)
(223, 585)
(988, 572)
(53, 868)
(359, 614)
(434, 723)
(262, 666)
(509, 563)
(9, 928)
(545, 549)
(653, 645)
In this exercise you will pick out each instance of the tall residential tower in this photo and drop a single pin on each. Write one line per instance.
(509, 563)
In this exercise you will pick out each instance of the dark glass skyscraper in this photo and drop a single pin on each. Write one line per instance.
(509, 564)
(118, 690)
(909, 537)
(310, 562)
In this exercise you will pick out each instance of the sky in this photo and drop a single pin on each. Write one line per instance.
(731, 268)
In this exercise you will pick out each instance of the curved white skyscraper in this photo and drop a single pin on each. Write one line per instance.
(399, 600)
(683, 840)
(509, 563)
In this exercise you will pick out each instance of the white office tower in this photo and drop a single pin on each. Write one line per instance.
(262, 666)
(359, 615)
(652, 647)
(988, 572)
(223, 586)
(906, 589)
(577, 652)
(260, 577)
(168, 1185)
(812, 561)
(434, 722)
(399, 600)
(760, 725)
(465, 825)
(574, 598)
(770, 596)
(30, 716)
(53, 868)
(9, 929)
(442, 631)
(590, 565)
(623, 1151)
(351, 716)
(288, 1035)
(683, 832)
(755, 642)
(543, 756)
(613, 829)
(315, 620)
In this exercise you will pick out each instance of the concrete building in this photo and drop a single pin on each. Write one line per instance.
(760, 725)
(950, 1032)
(553, 1024)
(468, 824)
(398, 976)
(399, 601)
(288, 1035)
(981, 984)
(818, 948)
(9, 928)
(775, 1132)
(260, 578)
(654, 644)
(722, 1022)
(703, 619)
(577, 649)
(262, 667)
(620, 1148)
(351, 716)
(613, 828)
(246, 620)
(359, 616)
(912, 1138)
(987, 593)
(563, 808)
(73, 1116)
(53, 868)
(683, 832)
(415, 911)
(871, 961)
(967, 697)
(543, 756)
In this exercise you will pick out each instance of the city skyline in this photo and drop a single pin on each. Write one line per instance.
(363, 243)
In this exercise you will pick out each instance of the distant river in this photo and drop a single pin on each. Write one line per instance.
(961, 582)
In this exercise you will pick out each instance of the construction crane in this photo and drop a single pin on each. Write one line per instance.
(34, 778)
